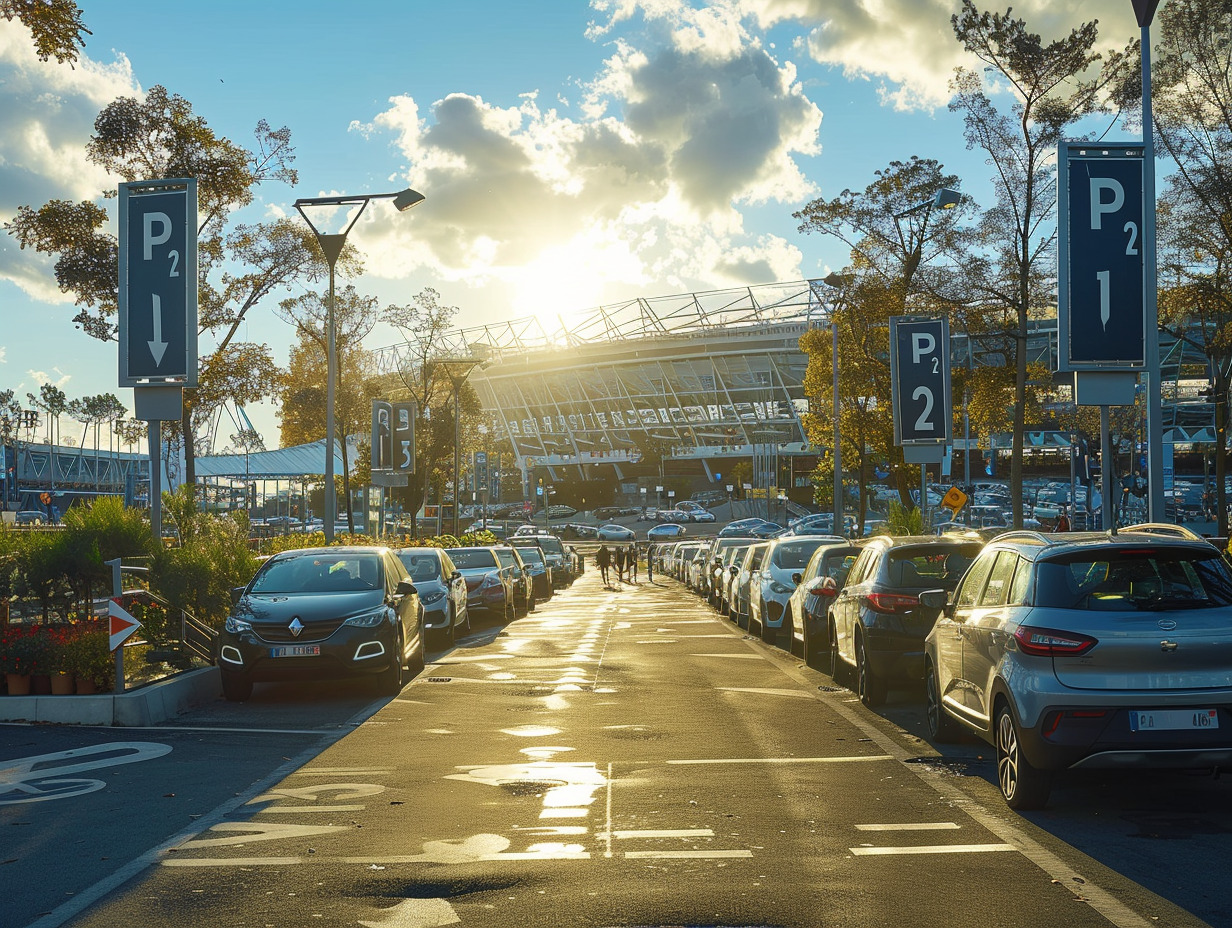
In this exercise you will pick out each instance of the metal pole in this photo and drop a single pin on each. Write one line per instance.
(154, 433)
(330, 376)
(1107, 522)
(924, 497)
(838, 445)
(457, 453)
(967, 446)
(1073, 485)
(117, 589)
(1154, 376)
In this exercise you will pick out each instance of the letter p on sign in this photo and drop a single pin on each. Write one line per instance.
(922, 343)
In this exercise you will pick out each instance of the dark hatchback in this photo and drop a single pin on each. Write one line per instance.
(323, 613)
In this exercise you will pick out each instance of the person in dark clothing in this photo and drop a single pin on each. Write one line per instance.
(650, 564)
(631, 561)
(604, 560)
(620, 564)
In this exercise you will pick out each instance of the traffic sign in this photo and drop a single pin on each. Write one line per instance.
(954, 499)
(382, 436)
(122, 623)
(1101, 300)
(920, 380)
(480, 470)
(403, 450)
(158, 282)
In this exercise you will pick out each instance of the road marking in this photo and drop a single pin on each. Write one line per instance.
(931, 849)
(250, 832)
(798, 694)
(735, 657)
(687, 855)
(661, 833)
(293, 809)
(857, 759)
(344, 771)
(607, 825)
(910, 826)
(415, 913)
(20, 782)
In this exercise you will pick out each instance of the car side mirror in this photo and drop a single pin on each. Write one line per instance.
(405, 588)
(457, 575)
(796, 578)
(236, 593)
(934, 599)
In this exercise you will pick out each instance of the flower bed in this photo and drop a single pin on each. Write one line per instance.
(76, 650)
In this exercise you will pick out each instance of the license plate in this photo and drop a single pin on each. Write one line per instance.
(296, 650)
(1173, 719)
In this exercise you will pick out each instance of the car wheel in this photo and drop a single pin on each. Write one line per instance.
(807, 646)
(531, 605)
(389, 682)
(1022, 785)
(451, 632)
(416, 663)
(870, 687)
(768, 635)
(467, 627)
(510, 612)
(838, 670)
(236, 688)
(941, 728)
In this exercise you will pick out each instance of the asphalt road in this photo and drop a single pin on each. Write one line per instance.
(620, 757)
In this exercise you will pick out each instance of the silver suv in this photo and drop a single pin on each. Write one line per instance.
(1086, 650)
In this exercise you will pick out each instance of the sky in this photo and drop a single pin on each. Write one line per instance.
(571, 154)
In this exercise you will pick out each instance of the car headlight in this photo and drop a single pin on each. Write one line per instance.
(235, 626)
(433, 597)
(367, 619)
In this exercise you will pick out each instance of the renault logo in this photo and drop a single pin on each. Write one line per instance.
(296, 626)
(1167, 624)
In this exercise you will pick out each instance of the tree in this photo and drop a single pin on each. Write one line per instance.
(1053, 86)
(56, 26)
(1192, 106)
(238, 265)
(303, 412)
(53, 401)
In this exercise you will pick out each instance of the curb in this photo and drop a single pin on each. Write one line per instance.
(147, 706)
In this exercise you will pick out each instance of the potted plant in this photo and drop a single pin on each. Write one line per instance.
(23, 654)
(91, 659)
(59, 659)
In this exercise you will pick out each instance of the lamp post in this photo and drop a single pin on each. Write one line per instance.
(331, 246)
(840, 282)
(457, 368)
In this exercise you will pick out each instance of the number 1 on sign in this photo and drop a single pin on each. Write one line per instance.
(1105, 284)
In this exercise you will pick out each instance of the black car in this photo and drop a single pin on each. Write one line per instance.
(523, 580)
(323, 613)
(541, 572)
(489, 583)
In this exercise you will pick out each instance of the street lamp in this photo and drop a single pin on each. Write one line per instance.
(331, 246)
(840, 282)
(457, 368)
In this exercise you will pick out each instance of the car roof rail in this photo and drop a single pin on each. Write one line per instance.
(1167, 529)
(1028, 534)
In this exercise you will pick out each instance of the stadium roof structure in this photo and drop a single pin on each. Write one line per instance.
(281, 464)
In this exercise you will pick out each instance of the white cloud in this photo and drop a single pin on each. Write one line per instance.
(909, 45)
(60, 379)
(641, 187)
(45, 122)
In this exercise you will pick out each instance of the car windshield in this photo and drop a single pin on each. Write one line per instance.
(321, 573)
(531, 555)
(1149, 579)
(421, 567)
(935, 566)
(552, 545)
(794, 556)
(473, 558)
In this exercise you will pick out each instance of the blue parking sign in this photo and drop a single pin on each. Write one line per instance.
(920, 380)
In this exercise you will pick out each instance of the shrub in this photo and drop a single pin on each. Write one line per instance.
(88, 654)
(213, 557)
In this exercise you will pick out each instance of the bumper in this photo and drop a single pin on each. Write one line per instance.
(894, 655)
(348, 652)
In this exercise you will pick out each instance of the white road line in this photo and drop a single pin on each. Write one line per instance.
(660, 833)
(735, 657)
(255, 731)
(607, 825)
(797, 694)
(687, 855)
(910, 826)
(344, 772)
(931, 849)
(857, 759)
(296, 809)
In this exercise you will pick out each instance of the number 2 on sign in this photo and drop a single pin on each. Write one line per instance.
(922, 422)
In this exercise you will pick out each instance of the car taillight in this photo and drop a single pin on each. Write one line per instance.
(1048, 642)
(890, 602)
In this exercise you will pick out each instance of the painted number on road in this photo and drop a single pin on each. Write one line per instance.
(42, 777)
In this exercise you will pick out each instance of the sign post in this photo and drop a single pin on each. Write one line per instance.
(1102, 317)
(920, 390)
(157, 303)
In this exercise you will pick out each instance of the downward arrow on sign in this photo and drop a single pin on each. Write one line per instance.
(158, 347)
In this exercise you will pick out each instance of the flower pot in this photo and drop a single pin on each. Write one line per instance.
(86, 687)
(62, 684)
(18, 683)
(40, 684)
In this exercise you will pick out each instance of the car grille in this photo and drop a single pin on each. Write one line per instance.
(313, 631)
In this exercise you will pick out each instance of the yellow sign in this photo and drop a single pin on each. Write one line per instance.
(954, 499)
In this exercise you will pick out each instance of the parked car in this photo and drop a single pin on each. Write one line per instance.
(489, 583)
(1084, 650)
(772, 585)
(441, 589)
(877, 623)
(809, 605)
(321, 613)
(29, 517)
(540, 572)
(606, 513)
(558, 559)
(743, 580)
(741, 528)
(666, 532)
(561, 512)
(523, 580)
(614, 532)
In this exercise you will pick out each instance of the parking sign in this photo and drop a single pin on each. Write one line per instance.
(1101, 304)
(404, 437)
(158, 283)
(920, 380)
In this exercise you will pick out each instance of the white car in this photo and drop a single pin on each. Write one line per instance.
(614, 532)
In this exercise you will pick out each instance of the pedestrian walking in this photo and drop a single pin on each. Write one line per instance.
(620, 563)
(631, 561)
(604, 560)
(650, 549)
(1062, 521)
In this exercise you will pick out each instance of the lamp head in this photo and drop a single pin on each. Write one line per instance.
(946, 198)
(406, 199)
